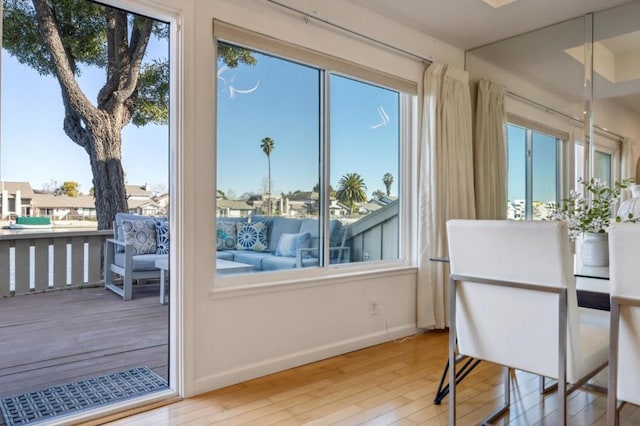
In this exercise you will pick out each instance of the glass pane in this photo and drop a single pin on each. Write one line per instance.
(544, 175)
(602, 167)
(364, 164)
(517, 174)
(268, 150)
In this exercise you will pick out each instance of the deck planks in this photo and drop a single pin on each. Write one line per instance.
(69, 335)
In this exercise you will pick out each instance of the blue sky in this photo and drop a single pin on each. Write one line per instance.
(34, 147)
(283, 103)
(544, 165)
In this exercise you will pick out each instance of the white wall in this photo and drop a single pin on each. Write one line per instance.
(231, 335)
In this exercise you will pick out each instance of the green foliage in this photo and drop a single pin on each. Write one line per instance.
(70, 189)
(267, 145)
(584, 215)
(352, 190)
(387, 180)
(233, 55)
(378, 193)
(153, 94)
(82, 28)
(84, 36)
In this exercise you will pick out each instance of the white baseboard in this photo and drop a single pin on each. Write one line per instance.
(273, 365)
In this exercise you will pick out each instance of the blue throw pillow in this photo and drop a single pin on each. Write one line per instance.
(162, 236)
(251, 236)
(226, 235)
(288, 244)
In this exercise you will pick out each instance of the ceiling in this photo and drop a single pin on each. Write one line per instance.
(537, 39)
(467, 24)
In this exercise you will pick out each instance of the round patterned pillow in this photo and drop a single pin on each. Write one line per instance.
(252, 236)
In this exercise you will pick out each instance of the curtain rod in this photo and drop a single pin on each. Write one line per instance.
(308, 16)
(562, 114)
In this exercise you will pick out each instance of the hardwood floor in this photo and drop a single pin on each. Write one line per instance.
(389, 384)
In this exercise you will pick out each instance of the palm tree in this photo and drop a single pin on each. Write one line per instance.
(267, 146)
(352, 190)
(387, 179)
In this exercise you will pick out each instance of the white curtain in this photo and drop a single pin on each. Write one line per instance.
(627, 165)
(445, 182)
(490, 152)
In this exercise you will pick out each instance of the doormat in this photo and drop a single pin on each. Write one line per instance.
(34, 407)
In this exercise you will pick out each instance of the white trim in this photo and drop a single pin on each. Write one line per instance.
(107, 410)
(174, 15)
(296, 283)
(273, 365)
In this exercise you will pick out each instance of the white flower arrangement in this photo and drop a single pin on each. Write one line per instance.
(595, 216)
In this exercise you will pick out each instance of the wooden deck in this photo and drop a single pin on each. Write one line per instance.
(60, 337)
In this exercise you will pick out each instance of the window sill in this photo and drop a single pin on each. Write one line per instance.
(235, 287)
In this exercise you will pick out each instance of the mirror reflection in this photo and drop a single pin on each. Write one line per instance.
(566, 85)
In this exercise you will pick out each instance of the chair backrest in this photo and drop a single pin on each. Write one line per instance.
(513, 326)
(624, 252)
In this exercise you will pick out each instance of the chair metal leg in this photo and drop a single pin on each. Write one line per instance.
(612, 395)
(562, 359)
(452, 352)
(543, 389)
(467, 367)
(507, 400)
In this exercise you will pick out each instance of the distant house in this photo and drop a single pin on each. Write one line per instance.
(63, 207)
(19, 199)
(163, 202)
(141, 200)
(302, 203)
(138, 192)
(233, 208)
(15, 198)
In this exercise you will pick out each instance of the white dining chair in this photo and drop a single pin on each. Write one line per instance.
(624, 355)
(513, 302)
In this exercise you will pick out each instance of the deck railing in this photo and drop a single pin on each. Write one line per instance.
(37, 261)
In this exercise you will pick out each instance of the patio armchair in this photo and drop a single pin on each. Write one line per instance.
(339, 252)
(122, 258)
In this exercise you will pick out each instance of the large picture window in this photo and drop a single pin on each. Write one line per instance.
(308, 170)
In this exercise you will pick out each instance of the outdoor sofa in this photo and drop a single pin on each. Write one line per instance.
(287, 243)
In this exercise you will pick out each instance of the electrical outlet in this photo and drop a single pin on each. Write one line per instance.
(374, 307)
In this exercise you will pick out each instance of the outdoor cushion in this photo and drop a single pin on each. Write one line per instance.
(142, 262)
(279, 226)
(225, 255)
(226, 235)
(251, 236)
(162, 235)
(288, 244)
(119, 235)
(141, 234)
(251, 257)
(277, 263)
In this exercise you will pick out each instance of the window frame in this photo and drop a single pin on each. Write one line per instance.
(608, 146)
(329, 65)
(561, 139)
